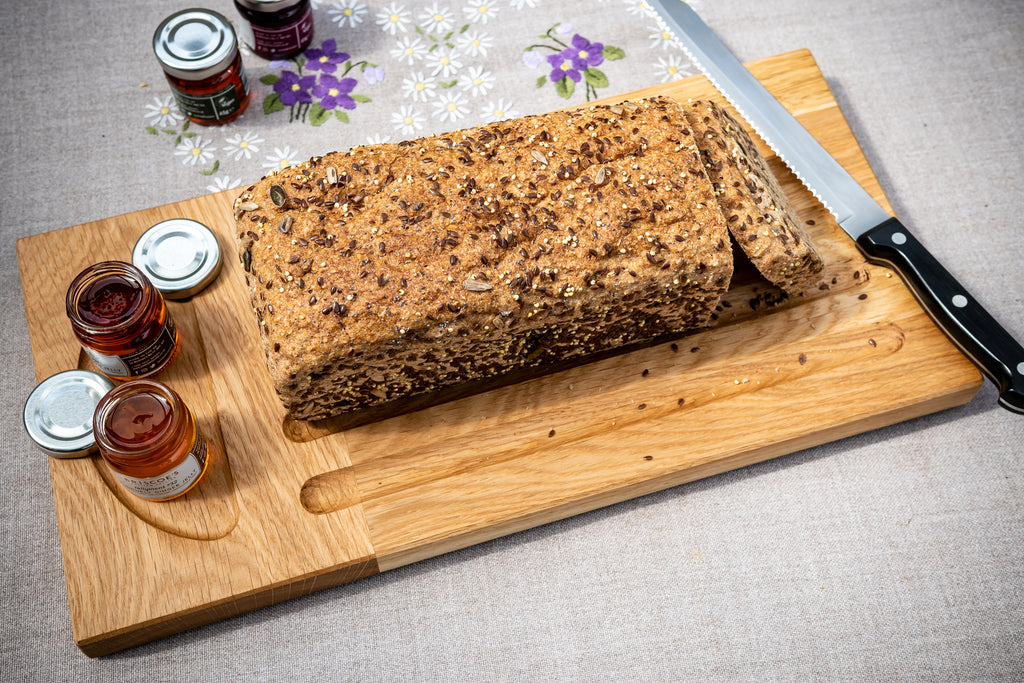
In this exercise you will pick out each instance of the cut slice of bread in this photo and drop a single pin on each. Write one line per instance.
(757, 212)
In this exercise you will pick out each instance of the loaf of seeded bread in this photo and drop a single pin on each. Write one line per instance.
(759, 216)
(394, 270)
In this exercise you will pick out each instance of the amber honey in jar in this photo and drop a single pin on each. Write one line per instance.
(149, 439)
(121, 320)
(198, 51)
(275, 29)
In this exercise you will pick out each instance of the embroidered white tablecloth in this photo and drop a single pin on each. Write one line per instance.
(390, 71)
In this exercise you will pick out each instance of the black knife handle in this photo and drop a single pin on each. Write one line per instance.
(953, 309)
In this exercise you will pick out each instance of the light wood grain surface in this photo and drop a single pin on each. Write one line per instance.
(289, 510)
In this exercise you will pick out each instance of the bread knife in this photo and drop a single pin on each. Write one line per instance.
(879, 236)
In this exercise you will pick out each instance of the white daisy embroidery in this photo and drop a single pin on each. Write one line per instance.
(408, 120)
(436, 19)
(522, 4)
(418, 87)
(409, 49)
(640, 8)
(280, 159)
(163, 112)
(223, 182)
(239, 145)
(347, 13)
(378, 139)
(394, 18)
(450, 107)
(194, 150)
(500, 110)
(474, 44)
(480, 11)
(445, 62)
(477, 81)
(663, 38)
(672, 68)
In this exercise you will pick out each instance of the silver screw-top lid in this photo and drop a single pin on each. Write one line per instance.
(58, 412)
(195, 44)
(180, 257)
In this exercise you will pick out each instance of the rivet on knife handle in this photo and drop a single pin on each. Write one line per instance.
(952, 308)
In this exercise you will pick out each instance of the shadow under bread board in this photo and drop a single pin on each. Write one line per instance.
(290, 508)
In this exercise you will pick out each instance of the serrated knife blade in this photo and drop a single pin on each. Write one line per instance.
(882, 238)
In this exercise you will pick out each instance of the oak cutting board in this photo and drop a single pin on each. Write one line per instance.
(289, 509)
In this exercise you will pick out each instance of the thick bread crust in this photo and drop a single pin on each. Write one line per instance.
(392, 270)
(757, 211)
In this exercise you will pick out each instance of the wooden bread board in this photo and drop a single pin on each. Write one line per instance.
(289, 509)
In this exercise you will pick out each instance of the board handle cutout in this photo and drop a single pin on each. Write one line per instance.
(330, 492)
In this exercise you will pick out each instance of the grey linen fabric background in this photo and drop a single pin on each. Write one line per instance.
(893, 555)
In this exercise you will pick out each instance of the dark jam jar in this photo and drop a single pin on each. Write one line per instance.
(121, 320)
(198, 52)
(276, 29)
(149, 439)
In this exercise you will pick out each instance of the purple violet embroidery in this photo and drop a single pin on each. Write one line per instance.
(584, 53)
(532, 58)
(374, 74)
(334, 92)
(316, 86)
(326, 58)
(562, 67)
(294, 88)
(571, 63)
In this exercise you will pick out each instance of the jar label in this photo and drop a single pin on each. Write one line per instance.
(173, 482)
(142, 362)
(108, 365)
(214, 106)
(280, 40)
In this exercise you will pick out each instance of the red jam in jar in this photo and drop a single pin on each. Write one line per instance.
(149, 439)
(121, 320)
(276, 29)
(198, 51)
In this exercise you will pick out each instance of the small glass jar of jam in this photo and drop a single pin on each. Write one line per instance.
(121, 320)
(276, 29)
(198, 51)
(149, 439)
